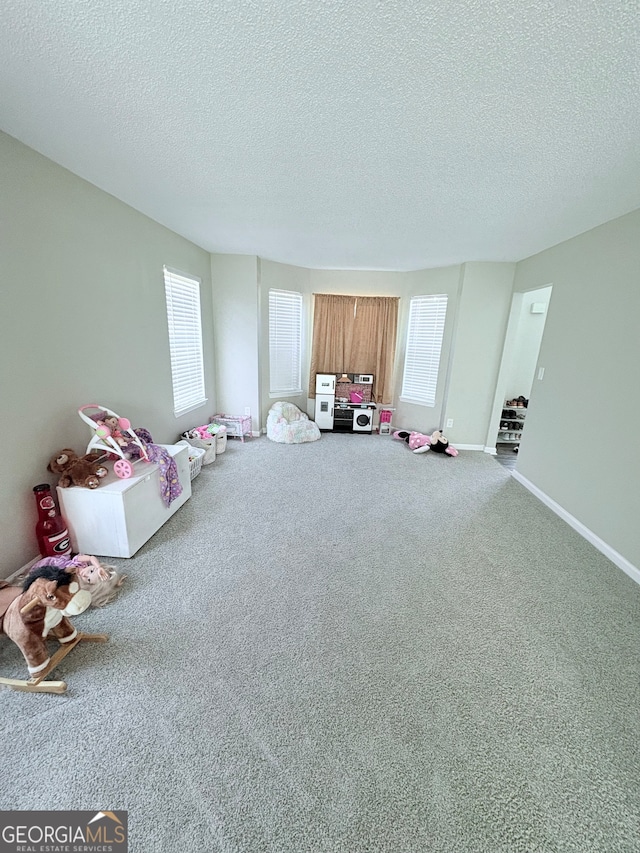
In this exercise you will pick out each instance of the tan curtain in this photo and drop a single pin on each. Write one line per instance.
(355, 334)
(374, 342)
(333, 318)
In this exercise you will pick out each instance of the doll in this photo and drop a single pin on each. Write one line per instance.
(101, 581)
(111, 425)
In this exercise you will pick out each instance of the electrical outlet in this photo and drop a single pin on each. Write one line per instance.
(449, 423)
(247, 410)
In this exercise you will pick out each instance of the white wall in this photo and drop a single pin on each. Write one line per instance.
(479, 339)
(528, 337)
(236, 320)
(580, 446)
(83, 320)
(445, 280)
(283, 277)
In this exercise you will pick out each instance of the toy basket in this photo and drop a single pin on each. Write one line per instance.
(207, 445)
(221, 440)
(196, 457)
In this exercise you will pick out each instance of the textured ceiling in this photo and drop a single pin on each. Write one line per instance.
(397, 134)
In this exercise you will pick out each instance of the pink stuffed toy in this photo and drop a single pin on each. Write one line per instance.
(203, 432)
(420, 443)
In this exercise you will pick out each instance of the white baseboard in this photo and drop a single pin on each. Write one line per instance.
(491, 451)
(468, 446)
(616, 558)
(24, 568)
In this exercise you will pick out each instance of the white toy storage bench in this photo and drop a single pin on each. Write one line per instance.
(117, 518)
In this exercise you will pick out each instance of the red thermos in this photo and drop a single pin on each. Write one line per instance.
(51, 530)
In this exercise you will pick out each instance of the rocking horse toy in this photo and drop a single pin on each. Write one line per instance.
(30, 614)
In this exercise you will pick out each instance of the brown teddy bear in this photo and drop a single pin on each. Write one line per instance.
(76, 470)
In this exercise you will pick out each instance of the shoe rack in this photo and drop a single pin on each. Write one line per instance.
(512, 421)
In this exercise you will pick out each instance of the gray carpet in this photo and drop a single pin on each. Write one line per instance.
(343, 646)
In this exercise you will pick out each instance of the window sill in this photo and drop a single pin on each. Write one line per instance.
(186, 411)
(280, 395)
(417, 402)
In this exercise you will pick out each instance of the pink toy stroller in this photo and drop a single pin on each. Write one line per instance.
(112, 434)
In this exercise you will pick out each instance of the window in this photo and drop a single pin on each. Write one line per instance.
(285, 343)
(424, 344)
(185, 340)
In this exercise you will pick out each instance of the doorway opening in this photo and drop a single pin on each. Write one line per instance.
(517, 373)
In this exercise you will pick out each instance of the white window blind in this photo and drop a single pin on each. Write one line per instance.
(185, 340)
(285, 342)
(424, 345)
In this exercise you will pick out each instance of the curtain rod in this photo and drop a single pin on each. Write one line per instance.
(356, 295)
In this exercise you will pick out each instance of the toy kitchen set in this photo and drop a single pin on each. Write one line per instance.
(343, 402)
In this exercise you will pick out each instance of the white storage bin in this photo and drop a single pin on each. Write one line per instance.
(221, 440)
(208, 445)
(117, 518)
(196, 455)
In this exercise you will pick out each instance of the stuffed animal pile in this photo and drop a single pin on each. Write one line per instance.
(205, 432)
(102, 581)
